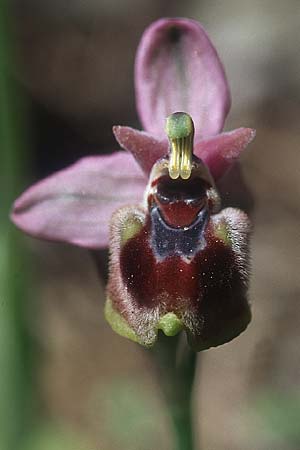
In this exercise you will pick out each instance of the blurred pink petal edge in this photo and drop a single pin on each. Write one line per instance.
(178, 69)
(75, 205)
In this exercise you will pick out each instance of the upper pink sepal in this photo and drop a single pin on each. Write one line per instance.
(145, 148)
(177, 69)
(75, 205)
(221, 151)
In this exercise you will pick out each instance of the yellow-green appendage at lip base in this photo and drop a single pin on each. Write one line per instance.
(169, 324)
(118, 323)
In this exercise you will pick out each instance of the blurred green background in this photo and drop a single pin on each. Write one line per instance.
(66, 380)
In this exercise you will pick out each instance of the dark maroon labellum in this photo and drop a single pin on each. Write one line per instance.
(181, 257)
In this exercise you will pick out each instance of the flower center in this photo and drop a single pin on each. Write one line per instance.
(180, 186)
(180, 201)
(180, 131)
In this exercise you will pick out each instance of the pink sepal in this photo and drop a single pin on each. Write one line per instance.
(75, 205)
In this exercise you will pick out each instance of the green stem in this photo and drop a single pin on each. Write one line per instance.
(176, 366)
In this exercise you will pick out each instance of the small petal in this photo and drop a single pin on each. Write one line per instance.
(145, 148)
(221, 151)
(74, 205)
(178, 69)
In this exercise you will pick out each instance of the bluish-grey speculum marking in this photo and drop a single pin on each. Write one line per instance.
(167, 241)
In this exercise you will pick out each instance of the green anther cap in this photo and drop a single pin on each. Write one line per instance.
(180, 131)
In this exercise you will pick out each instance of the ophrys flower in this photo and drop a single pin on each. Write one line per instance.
(177, 261)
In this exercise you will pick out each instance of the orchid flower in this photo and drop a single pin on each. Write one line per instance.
(177, 261)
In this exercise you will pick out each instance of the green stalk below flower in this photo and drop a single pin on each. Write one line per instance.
(176, 364)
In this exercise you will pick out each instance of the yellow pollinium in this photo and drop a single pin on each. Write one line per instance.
(180, 131)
